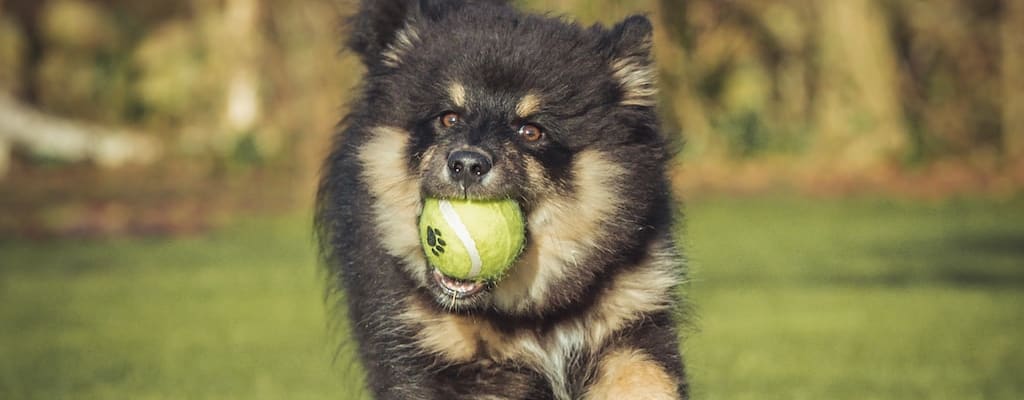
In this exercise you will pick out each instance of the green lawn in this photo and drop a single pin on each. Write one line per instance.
(793, 299)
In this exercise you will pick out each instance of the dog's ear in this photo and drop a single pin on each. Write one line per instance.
(631, 61)
(383, 30)
(378, 25)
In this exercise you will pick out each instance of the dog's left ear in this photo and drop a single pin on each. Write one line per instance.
(632, 62)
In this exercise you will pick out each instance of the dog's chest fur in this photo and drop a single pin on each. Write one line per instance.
(564, 353)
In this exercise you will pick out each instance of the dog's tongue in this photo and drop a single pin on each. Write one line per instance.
(457, 286)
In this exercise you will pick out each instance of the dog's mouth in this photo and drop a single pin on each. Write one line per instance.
(457, 288)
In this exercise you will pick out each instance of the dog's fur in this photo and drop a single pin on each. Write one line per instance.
(588, 310)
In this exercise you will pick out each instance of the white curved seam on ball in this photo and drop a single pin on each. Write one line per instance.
(454, 221)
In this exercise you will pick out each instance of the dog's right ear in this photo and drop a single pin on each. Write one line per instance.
(379, 27)
(383, 30)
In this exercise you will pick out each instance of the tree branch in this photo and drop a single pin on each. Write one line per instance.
(69, 140)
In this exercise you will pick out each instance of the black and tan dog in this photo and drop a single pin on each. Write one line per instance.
(473, 99)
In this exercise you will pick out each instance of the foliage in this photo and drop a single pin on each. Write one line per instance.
(202, 75)
(857, 82)
(846, 93)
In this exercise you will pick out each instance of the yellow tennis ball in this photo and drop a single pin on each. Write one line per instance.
(471, 239)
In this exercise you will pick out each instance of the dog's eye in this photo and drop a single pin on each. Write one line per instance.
(530, 133)
(449, 120)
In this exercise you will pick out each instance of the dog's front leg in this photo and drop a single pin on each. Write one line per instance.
(630, 373)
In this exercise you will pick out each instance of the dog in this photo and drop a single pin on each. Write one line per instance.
(476, 100)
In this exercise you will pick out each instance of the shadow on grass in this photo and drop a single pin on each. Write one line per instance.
(968, 259)
(996, 243)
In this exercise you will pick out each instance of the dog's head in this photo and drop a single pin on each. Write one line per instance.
(475, 100)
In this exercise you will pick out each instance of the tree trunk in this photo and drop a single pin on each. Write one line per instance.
(235, 43)
(858, 118)
(680, 99)
(1013, 78)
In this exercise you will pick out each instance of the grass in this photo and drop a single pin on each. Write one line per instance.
(238, 314)
(857, 300)
(794, 299)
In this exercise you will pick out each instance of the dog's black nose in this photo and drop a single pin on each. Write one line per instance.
(468, 166)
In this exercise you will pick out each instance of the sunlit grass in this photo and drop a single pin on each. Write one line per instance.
(794, 299)
(238, 314)
(857, 300)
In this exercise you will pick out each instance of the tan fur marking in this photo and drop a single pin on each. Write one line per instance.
(535, 171)
(563, 228)
(631, 374)
(397, 195)
(405, 40)
(646, 288)
(427, 162)
(457, 92)
(451, 336)
(457, 337)
(638, 80)
(528, 105)
(513, 294)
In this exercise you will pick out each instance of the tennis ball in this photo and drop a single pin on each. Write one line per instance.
(472, 239)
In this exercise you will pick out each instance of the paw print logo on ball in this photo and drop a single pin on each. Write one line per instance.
(435, 241)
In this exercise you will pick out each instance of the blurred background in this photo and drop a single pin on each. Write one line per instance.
(852, 171)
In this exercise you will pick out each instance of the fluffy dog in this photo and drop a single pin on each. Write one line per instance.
(473, 99)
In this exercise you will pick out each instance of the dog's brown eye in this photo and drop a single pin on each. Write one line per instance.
(530, 133)
(450, 119)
